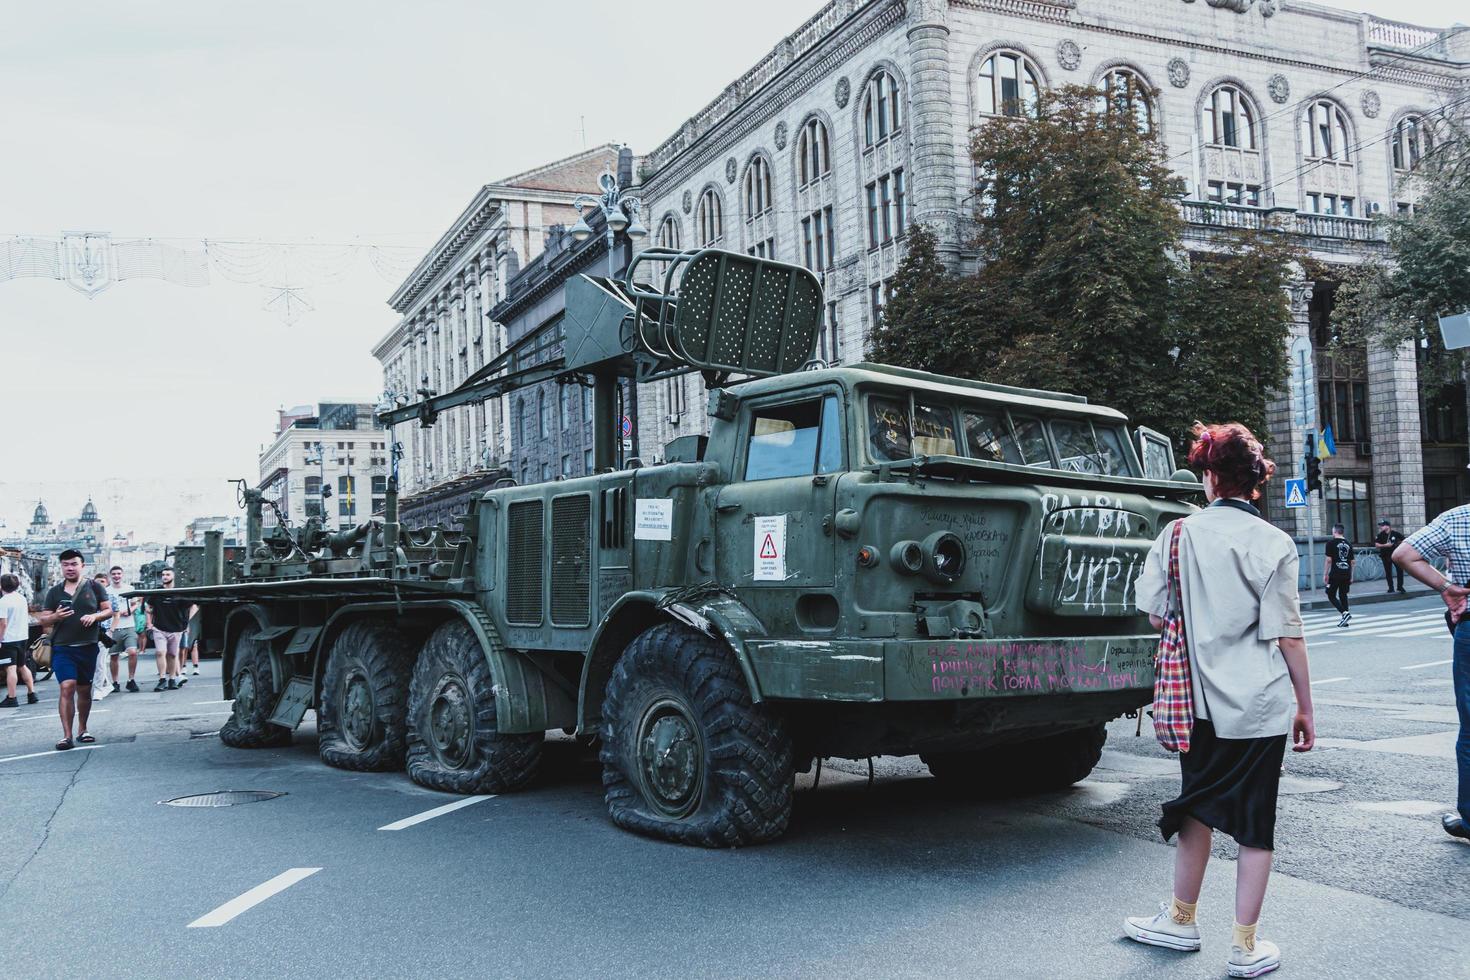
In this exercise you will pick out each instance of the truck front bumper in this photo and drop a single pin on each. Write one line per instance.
(943, 670)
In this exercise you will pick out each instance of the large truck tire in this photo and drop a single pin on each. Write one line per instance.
(249, 726)
(453, 744)
(685, 754)
(363, 716)
(1020, 768)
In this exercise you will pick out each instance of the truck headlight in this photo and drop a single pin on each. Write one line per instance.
(944, 557)
(907, 557)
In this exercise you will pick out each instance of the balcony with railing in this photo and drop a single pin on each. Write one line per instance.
(1396, 34)
(1204, 216)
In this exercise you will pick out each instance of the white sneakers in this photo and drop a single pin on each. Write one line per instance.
(1162, 930)
(1255, 962)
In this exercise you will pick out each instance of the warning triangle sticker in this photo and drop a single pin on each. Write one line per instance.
(1294, 494)
(768, 548)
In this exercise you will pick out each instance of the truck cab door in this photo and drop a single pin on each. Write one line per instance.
(774, 518)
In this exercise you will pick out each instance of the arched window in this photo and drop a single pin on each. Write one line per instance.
(1008, 85)
(1124, 91)
(523, 421)
(758, 197)
(1412, 139)
(1325, 132)
(668, 233)
(1229, 119)
(813, 153)
(882, 115)
(709, 219)
(542, 416)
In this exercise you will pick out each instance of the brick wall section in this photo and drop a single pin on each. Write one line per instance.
(1398, 460)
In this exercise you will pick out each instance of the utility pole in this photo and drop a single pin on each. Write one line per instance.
(1304, 404)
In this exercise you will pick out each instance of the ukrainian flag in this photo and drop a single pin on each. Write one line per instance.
(1326, 445)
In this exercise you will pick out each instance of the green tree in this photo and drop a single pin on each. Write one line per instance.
(1084, 283)
(1426, 273)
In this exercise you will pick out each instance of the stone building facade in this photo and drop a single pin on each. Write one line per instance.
(47, 539)
(551, 433)
(335, 445)
(445, 332)
(1290, 116)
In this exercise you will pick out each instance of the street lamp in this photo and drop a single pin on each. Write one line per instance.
(620, 211)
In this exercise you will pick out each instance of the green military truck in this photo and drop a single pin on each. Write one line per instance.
(856, 561)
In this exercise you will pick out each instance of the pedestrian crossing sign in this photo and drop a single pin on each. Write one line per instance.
(1296, 493)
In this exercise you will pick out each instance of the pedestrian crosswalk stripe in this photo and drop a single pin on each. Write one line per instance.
(1426, 631)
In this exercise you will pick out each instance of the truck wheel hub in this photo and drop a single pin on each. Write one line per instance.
(671, 758)
(244, 694)
(451, 723)
(357, 710)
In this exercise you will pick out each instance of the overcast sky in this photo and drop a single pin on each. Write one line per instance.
(328, 121)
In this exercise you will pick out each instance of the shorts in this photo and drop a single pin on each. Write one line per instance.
(124, 639)
(13, 654)
(167, 643)
(78, 663)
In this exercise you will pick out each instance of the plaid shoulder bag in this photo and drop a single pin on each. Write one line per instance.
(1173, 688)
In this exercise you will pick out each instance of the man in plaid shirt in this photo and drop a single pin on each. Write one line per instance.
(1448, 537)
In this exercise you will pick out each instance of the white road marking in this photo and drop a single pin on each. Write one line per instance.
(252, 898)
(1416, 634)
(1323, 643)
(438, 811)
(37, 755)
(226, 701)
(1438, 745)
(1330, 680)
(51, 715)
(1435, 663)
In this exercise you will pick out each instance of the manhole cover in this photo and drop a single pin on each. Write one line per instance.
(229, 797)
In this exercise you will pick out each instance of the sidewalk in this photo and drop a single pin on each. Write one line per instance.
(1366, 593)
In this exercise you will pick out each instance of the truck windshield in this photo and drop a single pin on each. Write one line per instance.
(988, 436)
(889, 429)
(1087, 448)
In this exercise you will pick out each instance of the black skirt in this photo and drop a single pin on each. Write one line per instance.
(1230, 784)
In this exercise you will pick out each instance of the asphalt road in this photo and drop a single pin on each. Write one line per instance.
(887, 880)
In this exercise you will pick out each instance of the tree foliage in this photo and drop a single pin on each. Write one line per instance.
(1427, 271)
(1084, 282)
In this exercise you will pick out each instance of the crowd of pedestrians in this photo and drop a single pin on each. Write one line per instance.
(93, 630)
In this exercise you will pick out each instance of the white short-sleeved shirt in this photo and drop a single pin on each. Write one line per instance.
(1238, 586)
(17, 618)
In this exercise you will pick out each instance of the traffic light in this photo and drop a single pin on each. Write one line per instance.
(1314, 473)
(1313, 464)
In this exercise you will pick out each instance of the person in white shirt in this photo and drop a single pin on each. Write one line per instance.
(15, 635)
(124, 633)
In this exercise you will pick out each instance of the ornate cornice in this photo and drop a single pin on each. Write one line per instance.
(1422, 74)
(673, 162)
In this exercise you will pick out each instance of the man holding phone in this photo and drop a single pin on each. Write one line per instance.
(73, 609)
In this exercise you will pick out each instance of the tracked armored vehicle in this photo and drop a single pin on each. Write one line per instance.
(857, 560)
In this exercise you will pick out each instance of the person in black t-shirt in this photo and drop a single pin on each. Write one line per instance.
(1339, 573)
(167, 620)
(1387, 540)
(75, 609)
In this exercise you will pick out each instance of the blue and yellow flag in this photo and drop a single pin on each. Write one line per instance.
(1326, 445)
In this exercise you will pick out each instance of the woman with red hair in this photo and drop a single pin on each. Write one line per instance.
(1237, 592)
